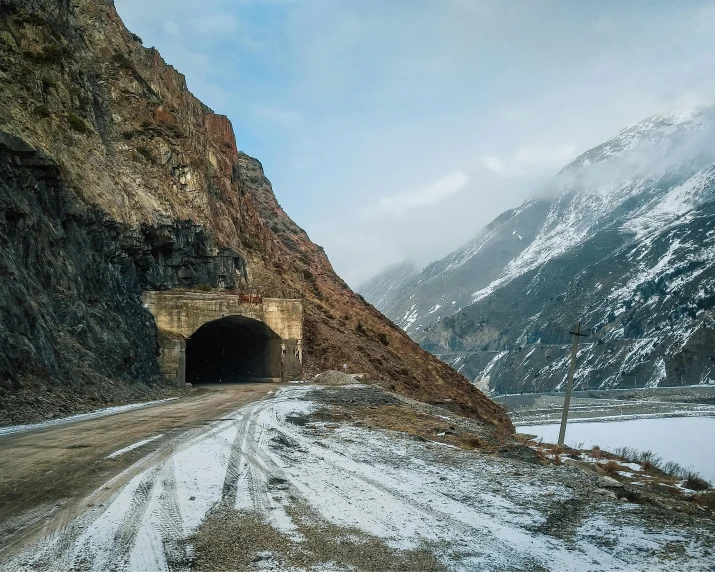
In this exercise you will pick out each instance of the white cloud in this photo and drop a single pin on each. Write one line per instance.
(543, 155)
(494, 164)
(530, 159)
(430, 194)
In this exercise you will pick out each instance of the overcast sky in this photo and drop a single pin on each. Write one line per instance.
(397, 129)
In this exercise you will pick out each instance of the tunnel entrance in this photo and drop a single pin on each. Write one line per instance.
(233, 349)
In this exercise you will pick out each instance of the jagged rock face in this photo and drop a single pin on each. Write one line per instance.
(625, 244)
(69, 302)
(118, 180)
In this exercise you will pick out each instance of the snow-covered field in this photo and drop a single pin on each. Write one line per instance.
(684, 440)
(473, 511)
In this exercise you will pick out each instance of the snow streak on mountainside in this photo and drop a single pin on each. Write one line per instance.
(625, 241)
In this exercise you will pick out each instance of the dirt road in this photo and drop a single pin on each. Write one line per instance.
(46, 472)
(278, 485)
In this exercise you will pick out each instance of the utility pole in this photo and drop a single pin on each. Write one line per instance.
(569, 383)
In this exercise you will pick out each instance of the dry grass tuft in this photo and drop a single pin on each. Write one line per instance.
(705, 500)
(695, 483)
(404, 419)
(612, 467)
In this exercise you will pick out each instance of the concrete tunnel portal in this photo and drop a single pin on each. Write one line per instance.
(221, 336)
(233, 349)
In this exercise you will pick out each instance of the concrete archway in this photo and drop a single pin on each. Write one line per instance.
(273, 327)
(233, 349)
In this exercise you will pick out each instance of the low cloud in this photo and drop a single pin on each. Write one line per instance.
(683, 139)
(530, 159)
(430, 194)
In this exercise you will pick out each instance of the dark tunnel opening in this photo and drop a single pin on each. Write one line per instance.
(233, 349)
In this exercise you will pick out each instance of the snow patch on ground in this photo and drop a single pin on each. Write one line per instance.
(132, 447)
(80, 417)
(410, 494)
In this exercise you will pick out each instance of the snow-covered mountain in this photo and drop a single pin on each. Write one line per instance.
(624, 240)
(383, 288)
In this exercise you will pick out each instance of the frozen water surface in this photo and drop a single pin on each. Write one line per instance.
(686, 440)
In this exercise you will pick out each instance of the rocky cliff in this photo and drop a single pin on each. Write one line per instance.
(115, 179)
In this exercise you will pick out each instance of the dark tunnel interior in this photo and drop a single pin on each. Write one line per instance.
(233, 349)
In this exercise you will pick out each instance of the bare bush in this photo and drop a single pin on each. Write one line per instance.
(695, 482)
(611, 468)
(673, 469)
(650, 461)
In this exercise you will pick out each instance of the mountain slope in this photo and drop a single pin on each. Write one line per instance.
(115, 180)
(446, 286)
(383, 288)
(624, 243)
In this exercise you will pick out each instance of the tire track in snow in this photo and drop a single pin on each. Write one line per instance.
(233, 468)
(170, 521)
(353, 478)
(127, 532)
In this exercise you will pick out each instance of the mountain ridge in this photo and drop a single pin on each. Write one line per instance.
(635, 208)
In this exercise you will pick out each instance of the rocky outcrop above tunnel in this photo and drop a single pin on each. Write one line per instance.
(69, 308)
(117, 180)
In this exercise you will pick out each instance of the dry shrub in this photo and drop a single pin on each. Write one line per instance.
(406, 420)
(539, 455)
(596, 452)
(695, 483)
(673, 469)
(42, 111)
(611, 468)
(650, 461)
(77, 123)
(627, 454)
(706, 500)
(473, 443)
